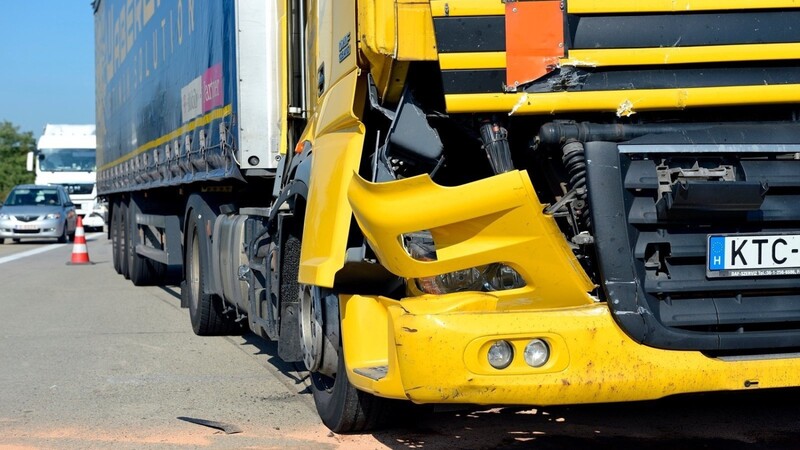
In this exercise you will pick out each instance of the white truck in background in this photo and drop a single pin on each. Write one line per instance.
(66, 155)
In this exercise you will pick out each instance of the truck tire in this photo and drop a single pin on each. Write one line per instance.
(142, 271)
(123, 238)
(113, 231)
(205, 309)
(342, 407)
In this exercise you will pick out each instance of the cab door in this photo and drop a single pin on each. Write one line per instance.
(332, 44)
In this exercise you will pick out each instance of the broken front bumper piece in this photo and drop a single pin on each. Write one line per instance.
(435, 348)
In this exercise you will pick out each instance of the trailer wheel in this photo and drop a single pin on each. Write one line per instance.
(113, 231)
(205, 310)
(143, 271)
(122, 232)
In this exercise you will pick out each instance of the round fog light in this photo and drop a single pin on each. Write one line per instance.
(500, 354)
(537, 353)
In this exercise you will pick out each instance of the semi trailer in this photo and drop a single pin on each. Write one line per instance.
(528, 202)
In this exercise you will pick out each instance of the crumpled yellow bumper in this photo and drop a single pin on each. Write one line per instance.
(433, 350)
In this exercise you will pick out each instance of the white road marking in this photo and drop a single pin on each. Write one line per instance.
(36, 251)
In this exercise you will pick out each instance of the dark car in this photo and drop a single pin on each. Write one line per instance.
(38, 211)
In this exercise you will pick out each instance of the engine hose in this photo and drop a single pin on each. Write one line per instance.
(560, 132)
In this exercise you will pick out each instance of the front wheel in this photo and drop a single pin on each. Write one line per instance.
(342, 407)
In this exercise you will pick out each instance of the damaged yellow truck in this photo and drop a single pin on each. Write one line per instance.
(526, 202)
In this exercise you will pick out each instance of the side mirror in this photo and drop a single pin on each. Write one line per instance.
(29, 162)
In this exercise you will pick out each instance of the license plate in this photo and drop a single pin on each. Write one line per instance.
(27, 227)
(753, 255)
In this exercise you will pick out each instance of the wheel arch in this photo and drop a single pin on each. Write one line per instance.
(199, 204)
(336, 142)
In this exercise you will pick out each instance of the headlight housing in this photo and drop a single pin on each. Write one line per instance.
(53, 216)
(486, 278)
(4, 216)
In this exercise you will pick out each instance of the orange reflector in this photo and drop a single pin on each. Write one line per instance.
(534, 40)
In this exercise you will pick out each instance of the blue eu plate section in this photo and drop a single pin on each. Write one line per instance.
(716, 253)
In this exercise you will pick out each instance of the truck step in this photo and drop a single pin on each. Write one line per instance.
(374, 373)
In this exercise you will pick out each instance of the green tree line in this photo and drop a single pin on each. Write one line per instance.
(14, 147)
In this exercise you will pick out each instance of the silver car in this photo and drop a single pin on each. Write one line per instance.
(38, 211)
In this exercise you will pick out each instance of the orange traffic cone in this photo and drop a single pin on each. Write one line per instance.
(80, 254)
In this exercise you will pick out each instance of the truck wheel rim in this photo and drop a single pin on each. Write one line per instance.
(193, 274)
(310, 327)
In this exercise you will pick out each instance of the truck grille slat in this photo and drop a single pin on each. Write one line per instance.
(731, 311)
(690, 279)
(655, 261)
(776, 208)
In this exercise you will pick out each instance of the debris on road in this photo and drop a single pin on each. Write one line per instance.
(226, 427)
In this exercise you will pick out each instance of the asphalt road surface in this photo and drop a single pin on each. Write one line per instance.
(87, 360)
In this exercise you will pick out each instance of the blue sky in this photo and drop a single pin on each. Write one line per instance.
(47, 71)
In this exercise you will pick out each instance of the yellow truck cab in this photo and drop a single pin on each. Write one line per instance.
(526, 202)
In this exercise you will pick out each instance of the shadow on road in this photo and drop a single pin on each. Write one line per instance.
(753, 420)
(729, 421)
(294, 371)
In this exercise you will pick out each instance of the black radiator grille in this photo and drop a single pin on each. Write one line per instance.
(653, 260)
(79, 189)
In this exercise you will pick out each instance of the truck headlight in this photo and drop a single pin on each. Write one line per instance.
(490, 277)
(53, 216)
